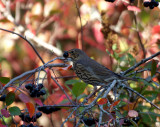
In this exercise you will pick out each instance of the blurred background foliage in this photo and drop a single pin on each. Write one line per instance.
(125, 29)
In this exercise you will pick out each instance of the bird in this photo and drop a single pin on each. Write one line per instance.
(90, 71)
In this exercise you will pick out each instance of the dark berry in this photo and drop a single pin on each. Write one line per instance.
(42, 92)
(146, 3)
(22, 116)
(40, 86)
(156, 3)
(3, 97)
(89, 121)
(22, 126)
(28, 118)
(39, 114)
(48, 109)
(54, 109)
(131, 1)
(136, 119)
(41, 108)
(110, 0)
(34, 92)
(151, 6)
(44, 109)
(65, 54)
(29, 86)
(30, 125)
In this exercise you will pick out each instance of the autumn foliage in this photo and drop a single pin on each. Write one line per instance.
(37, 84)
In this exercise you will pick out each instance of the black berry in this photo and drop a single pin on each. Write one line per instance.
(39, 114)
(89, 121)
(42, 92)
(146, 3)
(3, 98)
(156, 3)
(65, 54)
(151, 6)
(110, 0)
(48, 109)
(29, 86)
(40, 86)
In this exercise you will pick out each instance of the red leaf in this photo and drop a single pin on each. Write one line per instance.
(24, 98)
(38, 101)
(2, 5)
(116, 103)
(52, 99)
(156, 29)
(48, 76)
(5, 113)
(133, 8)
(102, 101)
(97, 32)
(31, 109)
(1, 125)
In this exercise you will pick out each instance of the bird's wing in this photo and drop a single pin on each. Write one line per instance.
(101, 71)
(86, 74)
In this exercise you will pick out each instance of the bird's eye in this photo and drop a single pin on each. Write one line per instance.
(65, 54)
(72, 51)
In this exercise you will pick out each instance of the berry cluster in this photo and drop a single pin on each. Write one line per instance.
(30, 125)
(35, 91)
(151, 4)
(27, 118)
(48, 109)
(127, 121)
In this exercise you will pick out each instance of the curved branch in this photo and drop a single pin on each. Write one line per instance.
(26, 41)
(141, 62)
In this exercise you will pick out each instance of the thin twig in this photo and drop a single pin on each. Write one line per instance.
(79, 19)
(26, 41)
(142, 96)
(30, 72)
(104, 96)
(141, 62)
(140, 41)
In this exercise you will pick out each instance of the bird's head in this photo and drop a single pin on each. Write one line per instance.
(74, 54)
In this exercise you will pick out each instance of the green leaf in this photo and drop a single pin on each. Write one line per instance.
(10, 98)
(4, 80)
(114, 47)
(148, 84)
(72, 81)
(149, 117)
(153, 68)
(116, 56)
(78, 88)
(14, 111)
(132, 60)
(145, 16)
(108, 52)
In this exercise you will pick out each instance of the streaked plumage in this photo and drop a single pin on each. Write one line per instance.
(88, 70)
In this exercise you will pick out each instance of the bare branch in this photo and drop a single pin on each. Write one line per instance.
(141, 62)
(142, 96)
